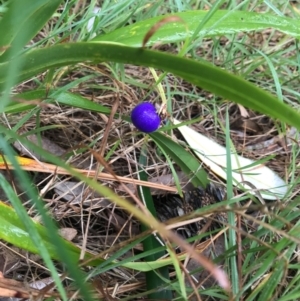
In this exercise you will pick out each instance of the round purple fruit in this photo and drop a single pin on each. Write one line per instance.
(145, 117)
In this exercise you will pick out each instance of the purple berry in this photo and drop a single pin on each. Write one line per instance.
(145, 118)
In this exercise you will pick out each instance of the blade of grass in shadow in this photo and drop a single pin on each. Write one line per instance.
(211, 78)
(231, 216)
(154, 279)
(231, 22)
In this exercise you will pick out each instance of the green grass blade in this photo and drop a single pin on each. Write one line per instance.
(232, 243)
(270, 286)
(186, 161)
(211, 78)
(221, 23)
(63, 98)
(154, 279)
(22, 21)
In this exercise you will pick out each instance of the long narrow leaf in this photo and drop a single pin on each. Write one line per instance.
(64, 98)
(221, 23)
(204, 75)
(22, 22)
(153, 278)
(187, 162)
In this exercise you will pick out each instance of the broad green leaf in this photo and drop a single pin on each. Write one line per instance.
(204, 75)
(244, 170)
(186, 161)
(22, 21)
(222, 22)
